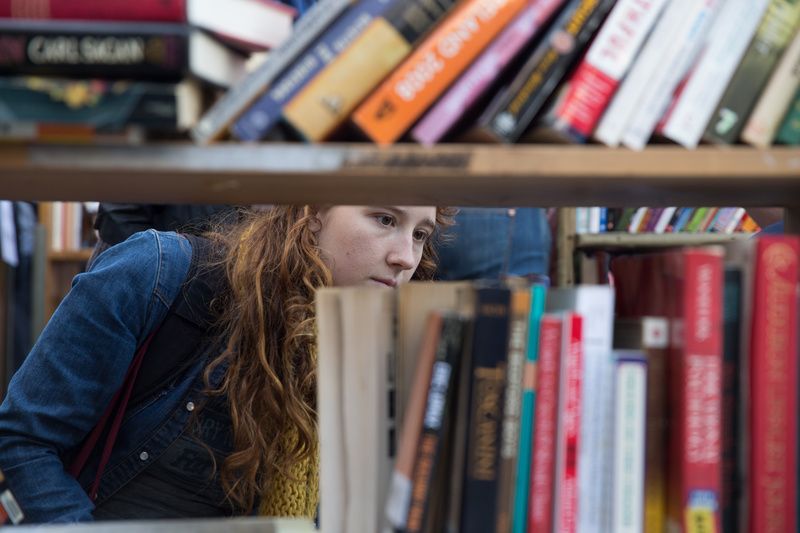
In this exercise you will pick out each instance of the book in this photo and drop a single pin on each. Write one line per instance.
(771, 38)
(266, 111)
(732, 407)
(514, 107)
(619, 113)
(789, 131)
(144, 10)
(354, 389)
(390, 110)
(630, 422)
(542, 476)
(512, 402)
(104, 106)
(484, 430)
(649, 335)
(399, 498)
(250, 24)
(328, 100)
(439, 398)
(727, 42)
(526, 417)
(596, 304)
(568, 434)
(773, 385)
(152, 51)
(690, 35)
(589, 89)
(475, 84)
(238, 98)
(775, 99)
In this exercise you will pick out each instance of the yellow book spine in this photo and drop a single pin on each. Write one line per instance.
(331, 97)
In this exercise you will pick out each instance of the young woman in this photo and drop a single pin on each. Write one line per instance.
(235, 433)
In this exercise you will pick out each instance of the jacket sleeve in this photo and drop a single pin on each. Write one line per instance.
(76, 366)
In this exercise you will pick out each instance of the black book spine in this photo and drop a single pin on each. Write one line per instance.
(94, 49)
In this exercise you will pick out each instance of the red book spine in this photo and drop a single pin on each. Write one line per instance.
(569, 433)
(773, 387)
(540, 517)
(121, 10)
(695, 485)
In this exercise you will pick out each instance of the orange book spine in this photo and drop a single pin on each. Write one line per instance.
(436, 63)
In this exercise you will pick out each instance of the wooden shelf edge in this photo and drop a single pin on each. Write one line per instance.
(652, 240)
(544, 175)
(70, 255)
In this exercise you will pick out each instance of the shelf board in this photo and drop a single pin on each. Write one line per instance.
(614, 240)
(70, 255)
(501, 175)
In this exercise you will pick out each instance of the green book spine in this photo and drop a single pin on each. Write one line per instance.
(698, 216)
(773, 35)
(789, 131)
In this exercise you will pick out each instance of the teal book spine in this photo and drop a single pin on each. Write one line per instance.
(519, 522)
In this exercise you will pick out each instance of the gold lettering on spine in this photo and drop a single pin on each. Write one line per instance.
(486, 417)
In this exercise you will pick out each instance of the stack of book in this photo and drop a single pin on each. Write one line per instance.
(664, 403)
(725, 220)
(622, 72)
(86, 70)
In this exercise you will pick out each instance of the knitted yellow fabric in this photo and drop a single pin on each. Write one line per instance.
(296, 495)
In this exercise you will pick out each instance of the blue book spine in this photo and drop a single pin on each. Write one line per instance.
(265, 113)
(683, 220)
(520, 519)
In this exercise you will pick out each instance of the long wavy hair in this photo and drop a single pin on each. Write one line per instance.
(273, 267)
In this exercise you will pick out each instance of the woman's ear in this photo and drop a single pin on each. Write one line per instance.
(314, 214)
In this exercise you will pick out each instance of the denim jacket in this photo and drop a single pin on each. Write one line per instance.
(76, 366)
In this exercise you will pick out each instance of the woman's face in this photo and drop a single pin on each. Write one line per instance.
(374, 245)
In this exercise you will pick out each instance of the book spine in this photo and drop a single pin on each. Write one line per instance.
(731, 404)
(262, 116)
(142, 10)
(733, 29)
(236, 100)
(696, 441)
(101, 50)
(629, 441)
(483, 72)
(509, 447)
(611, 54)
(664, 219)
(328, 100)
(513, 109)
(440, 395)
(771, 38)
(568, 433)
(776, 98)
(773, 387)
(529, 390)
(690, 36)
(418, 81)
(789, 131)
(540, 513)
(484, 434)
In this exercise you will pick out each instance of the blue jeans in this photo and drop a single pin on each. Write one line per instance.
(489, 243)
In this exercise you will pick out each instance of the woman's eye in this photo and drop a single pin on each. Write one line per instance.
(385, 220)
(421, 236)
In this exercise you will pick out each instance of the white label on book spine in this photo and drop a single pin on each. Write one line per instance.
(622, 35)
(732, 31)
(8, 234)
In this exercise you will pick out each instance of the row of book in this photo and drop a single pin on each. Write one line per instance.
(124, 71)
(71, 226)
(619, 72)
(667, 401)
(725, 220)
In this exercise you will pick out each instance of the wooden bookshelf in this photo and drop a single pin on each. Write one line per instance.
(81, 255)
(536, 175)
(614, 240)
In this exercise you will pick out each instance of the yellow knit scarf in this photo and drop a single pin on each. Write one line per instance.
(295, 494)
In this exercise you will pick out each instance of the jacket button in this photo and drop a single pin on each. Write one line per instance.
(190, 406)
(144, 456)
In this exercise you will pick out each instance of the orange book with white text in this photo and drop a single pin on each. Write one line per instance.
(436, 63)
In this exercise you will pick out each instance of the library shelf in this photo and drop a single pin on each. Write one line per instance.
(68, 256)
(457, 174)
(621, 240)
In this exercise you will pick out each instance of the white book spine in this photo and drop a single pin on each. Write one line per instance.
(775, 99)
(616, 118)
(56, 225)
(687, 40)
(663, 220)
(630, 419)
(636, 220)
(728, 39)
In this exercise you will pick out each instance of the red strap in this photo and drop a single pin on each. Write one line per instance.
(116, 409)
